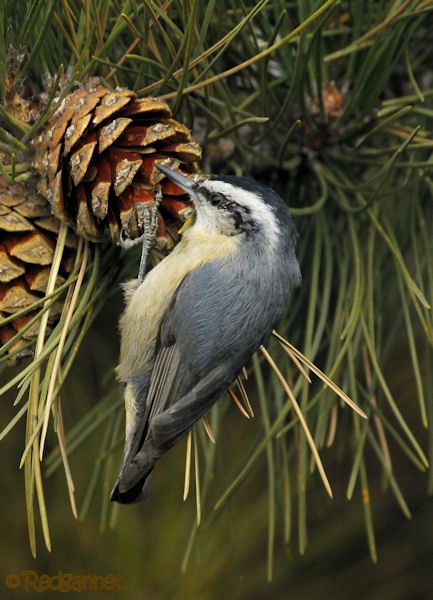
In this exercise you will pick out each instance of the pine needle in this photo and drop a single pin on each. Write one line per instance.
(187, 479)
(328, 382)
(208, 429)
(238, 403)
(332, 426)
(64, 453)
(59, 352)
(301, 418)
(376, 419)
(244, 396)
(197, 482)
(296, 362)
(33, 474)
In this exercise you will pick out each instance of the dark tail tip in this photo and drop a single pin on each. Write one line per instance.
(136, 493)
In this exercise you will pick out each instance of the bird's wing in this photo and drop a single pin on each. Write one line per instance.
(205, 338)
(168, 426)
(181, 389)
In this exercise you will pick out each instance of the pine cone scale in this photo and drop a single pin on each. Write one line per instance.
(16, 297)
(9, 268)
(110, 133)
(75, 132)
(153, 107)
(81, 158)
(110, 104)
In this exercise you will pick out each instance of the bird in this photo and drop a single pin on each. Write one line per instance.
(191, 325)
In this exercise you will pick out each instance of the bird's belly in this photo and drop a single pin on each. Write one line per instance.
(146, 306)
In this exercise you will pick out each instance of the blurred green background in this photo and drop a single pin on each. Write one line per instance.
(148, 543)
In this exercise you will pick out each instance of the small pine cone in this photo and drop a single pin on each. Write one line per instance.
(28, 234)
(97, 161)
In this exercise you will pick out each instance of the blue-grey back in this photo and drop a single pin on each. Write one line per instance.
(228, 309)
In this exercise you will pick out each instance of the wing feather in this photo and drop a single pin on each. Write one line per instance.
(204, 341)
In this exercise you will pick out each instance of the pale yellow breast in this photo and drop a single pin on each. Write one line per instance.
(146, 306)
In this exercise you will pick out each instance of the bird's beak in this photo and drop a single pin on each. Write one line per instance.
(184, 183)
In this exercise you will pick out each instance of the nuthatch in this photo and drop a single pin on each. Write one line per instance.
(198, 316)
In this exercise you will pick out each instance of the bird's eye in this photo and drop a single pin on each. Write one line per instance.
(215, 199)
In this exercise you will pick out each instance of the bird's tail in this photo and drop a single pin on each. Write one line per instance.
(136, 493)
(133, 484)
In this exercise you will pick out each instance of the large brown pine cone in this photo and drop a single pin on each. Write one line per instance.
(28, 234)
(97, 159)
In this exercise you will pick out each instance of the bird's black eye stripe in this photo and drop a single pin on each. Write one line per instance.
(216, 199)
(243, 220)
(240, 214)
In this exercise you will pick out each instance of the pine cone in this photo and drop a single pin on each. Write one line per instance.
(97, 160)
(28, 234)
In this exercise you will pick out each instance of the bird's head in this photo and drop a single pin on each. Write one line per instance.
(232, 206)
